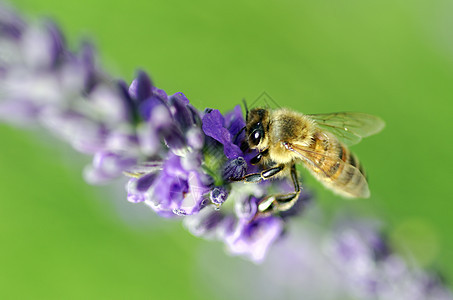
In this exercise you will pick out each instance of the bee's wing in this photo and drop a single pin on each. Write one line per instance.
(352, 182)
(349, 127)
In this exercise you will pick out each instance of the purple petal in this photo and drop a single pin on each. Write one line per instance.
(170, 185)
(195, 138)
(11, 25)
(213, 123)
(135, 198)
(235, 168)
(174, 138)
(173, 167)
(57, 41)
(106, 166)
(196, 115)
(39, 48)
(109, 105)
(204, 223)
(147, 106)
(122, 141)
(213, 126)
(178, 190)
(254, 239)
(235, 122)
(197, 188)
(87, 62)
(180, 112)
(83, 133)
(181, 97)
(152, 132)
(148, 138)
(18, 111)
(161, 94)
(192, 161)
(133, 195)
(145, 182)
(140, 88)
(169, 191)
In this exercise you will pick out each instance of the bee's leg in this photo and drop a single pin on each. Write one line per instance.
(257, 177)
(259, 156)
(280, 202)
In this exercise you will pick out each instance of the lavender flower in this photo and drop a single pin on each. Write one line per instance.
(179, 160)
(371, 270)
(349, 260)
(214, 126)
(253, 238)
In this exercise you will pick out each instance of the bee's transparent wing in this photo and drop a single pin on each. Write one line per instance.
(349, 127)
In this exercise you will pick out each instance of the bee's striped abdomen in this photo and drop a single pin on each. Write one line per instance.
(337, 167)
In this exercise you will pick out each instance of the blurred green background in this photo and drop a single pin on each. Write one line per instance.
(61, 238)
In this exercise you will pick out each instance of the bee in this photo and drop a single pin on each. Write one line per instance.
(319, 142)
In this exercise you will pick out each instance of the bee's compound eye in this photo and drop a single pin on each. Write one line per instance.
(256, 137)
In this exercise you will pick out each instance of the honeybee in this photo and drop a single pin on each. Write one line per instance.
(284, 137)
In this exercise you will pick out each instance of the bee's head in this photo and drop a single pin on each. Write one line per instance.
(257, 124)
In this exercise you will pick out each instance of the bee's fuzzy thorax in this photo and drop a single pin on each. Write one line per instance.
(290, 126)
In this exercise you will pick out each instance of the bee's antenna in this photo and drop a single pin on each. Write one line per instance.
(246, 110)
